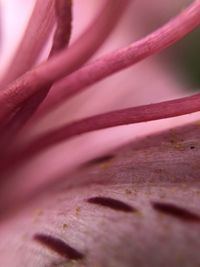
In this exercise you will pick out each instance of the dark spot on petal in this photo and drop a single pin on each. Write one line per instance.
(58, 246)
(101, 160)
(192, 147)
(60, 263)
(176, 211)
(111, 203)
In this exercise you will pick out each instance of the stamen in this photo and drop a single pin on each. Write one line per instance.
(40, 26)
(63, 31)
(155, 42)
(62, 35)
(144, 113)
(66, 62)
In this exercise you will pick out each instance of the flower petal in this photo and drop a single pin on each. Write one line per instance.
(137, 206)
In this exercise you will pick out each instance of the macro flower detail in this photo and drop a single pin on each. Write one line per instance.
(91, 175)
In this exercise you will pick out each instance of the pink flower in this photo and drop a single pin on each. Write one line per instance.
(125, 208)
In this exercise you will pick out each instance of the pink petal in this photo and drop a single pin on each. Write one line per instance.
(157, 179)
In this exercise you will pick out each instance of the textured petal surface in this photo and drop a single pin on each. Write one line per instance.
(138, 205)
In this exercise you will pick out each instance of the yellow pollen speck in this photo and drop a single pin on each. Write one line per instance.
(65, 226)
(198, 192)
(39, 212)
(139, 214)
(195, 165)
(179, 146)
(128, 192)
(78, 209)
(197, 123)
(173, 189)
(105, 165)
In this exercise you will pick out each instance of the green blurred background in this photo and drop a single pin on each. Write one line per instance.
(186, 56)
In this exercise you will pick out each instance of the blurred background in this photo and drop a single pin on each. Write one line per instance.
(186, 57)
